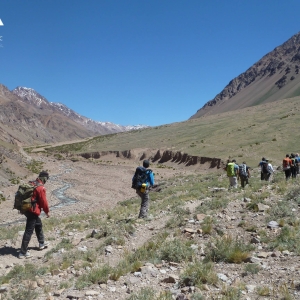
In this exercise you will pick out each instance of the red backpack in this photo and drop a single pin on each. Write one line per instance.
(286, 164)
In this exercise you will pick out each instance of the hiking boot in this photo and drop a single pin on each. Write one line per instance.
(43, 245)
(24, 255)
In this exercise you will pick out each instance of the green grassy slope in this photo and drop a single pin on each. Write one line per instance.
(270, 130)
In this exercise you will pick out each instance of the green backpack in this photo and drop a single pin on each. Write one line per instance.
(230, 169)
(23, 196)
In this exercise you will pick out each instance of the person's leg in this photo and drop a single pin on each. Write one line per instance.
(246, 181)
(39, 230)
(144, 204)
(294, 172)
(30, 225)
(242, 181)
(234, 182)
(229, 178)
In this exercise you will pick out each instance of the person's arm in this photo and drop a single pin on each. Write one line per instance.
(43, 200)
(151, 178)
(248, 172)
(237, 171)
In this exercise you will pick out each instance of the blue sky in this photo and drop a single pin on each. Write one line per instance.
(135, 62)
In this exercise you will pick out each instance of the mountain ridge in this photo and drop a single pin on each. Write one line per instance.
(275, 76)
(27, 117)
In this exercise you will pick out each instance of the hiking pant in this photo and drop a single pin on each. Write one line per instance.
(33, 223)
(244, 180)
(144, 204)
(267, 176)
(294, 172)
(233, 181)
(261, 176)
(287, 174)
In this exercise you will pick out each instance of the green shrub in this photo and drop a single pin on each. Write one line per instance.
(143, 294)
(198, 273)
(176, 251)
(24, 293)
(251, 269)
(64, 244)
(288, 239)
(229, 250)
(231, 293)
(207, 225)
(213, 204)
(19, 273)
(95, 275)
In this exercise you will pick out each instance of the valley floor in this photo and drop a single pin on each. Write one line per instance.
(201, 241)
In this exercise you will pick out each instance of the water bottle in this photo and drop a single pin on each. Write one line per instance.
(143, 188)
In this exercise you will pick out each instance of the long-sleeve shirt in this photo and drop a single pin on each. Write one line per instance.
(39, 194)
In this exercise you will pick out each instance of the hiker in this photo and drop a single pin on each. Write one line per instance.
(244, 174)
(267, 170)
(294, 165)
(232, 170)
(143, 191)
(298, 162)
(286, 166)
(260, 165)
(34, 222)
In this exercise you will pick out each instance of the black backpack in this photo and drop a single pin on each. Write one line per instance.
(265, 168)
(140, 177)
(243, 170)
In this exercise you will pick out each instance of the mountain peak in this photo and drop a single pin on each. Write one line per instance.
(52, 110)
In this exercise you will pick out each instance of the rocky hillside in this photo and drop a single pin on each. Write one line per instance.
(27, 118)
(34, 98)
(274, 77)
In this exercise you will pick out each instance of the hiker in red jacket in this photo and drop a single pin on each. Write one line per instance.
(34, 222)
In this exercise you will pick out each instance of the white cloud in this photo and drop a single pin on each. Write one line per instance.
(1, 23)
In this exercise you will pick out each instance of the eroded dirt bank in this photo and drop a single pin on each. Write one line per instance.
(160, 156)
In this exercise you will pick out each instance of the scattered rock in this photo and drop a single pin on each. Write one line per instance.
(222, 277)
(273, 224)
(171, 278)
(263, 254)
(92, 293)
(189, 230)
(262, 207)
(255, 240)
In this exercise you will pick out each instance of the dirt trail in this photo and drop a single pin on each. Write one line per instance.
(95, 186)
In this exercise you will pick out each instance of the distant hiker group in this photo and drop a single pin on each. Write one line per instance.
(290, 165)
(235, 172)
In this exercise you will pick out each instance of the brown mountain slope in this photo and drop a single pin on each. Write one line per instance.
(274, 77)
(27, 124)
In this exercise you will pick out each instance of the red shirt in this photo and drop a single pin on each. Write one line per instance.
(287, 162)
(40, 195)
